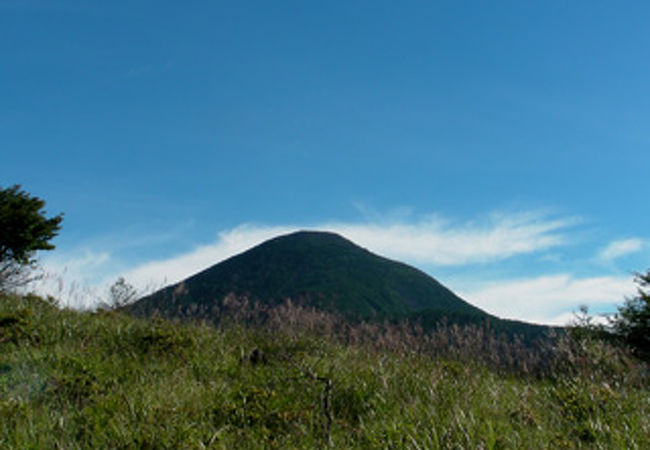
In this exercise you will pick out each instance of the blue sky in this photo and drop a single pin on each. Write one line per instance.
(502, 147)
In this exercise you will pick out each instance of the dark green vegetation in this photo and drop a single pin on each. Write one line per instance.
(24, 229)
(328, 272)
(632, 322)
(106, 380)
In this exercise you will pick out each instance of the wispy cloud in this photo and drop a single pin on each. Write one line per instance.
(619, 248)
(549, 299)
(441, 242)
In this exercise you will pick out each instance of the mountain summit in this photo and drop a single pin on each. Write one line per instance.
(319, 269)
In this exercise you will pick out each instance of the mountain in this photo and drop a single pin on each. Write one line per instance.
(323, 270)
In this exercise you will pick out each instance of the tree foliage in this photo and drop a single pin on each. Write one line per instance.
(585, 327)
(632, 322)
(24, 229)
(121, 294)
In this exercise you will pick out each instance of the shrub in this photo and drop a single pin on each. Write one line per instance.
(632, 322)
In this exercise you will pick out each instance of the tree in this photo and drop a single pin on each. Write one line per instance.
(583, 326)
(24, 229)
(632, 322)
(121, 294)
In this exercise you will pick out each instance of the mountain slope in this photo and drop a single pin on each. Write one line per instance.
(323, 270)
(326, 271)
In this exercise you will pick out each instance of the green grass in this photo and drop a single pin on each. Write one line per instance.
(106, 380)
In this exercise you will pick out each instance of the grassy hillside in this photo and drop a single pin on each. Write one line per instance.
(303, 380)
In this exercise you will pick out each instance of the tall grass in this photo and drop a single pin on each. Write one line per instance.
(294, 377)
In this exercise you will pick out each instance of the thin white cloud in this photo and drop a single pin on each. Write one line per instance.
(617, 249)
(549, 299)
(439, 242)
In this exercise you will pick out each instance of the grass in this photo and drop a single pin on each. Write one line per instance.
(301, 379)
